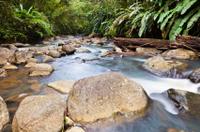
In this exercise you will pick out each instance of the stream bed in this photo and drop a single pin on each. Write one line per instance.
(161, 115)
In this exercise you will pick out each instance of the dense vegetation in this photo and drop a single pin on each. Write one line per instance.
(25, 20)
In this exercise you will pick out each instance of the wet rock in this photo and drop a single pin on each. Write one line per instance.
(83, 50)
(23, 56)
(195, 76)
(117, 49)
(40, 50)
(186, 101)
(3, 72)
(6, 55)
(46, 59)
(148, 51)
(33, 60)
(64, 86)
(9, 66)
(75, 129)
(4, 115)
(102, 96)
(69, 49)
(180, 54)
(168, 68)
(54, 53)
(30, 64)
(12, 47)
(41, 70)
(44, 113)
(104, 52)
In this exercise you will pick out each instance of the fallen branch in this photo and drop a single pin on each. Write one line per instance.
(187, 42)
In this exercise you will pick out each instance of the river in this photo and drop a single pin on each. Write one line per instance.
(161, 115)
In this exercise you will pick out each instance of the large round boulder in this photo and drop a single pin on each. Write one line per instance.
(103, 96)
(4, 115)
(195, 76)
(43, 113)
(162, 67)
(180, 54)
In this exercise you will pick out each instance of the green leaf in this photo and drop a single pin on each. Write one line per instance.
(187, 5)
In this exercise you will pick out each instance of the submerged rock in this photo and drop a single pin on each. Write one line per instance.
(161, 67)
(3, 72)
(180, 54)
(43, 113)
(4, 115)
(41, 69)
(148, 51)
(103, 96)
(9, 66)
(64, 86)
(33, 60)
(195, 76)
(186, 101)
(30, 64)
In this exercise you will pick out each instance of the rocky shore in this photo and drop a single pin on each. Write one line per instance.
(75, 104)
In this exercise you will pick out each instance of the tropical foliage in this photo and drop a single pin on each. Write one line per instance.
(170, 17)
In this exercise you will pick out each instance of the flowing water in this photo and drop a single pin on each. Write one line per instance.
(161, 115)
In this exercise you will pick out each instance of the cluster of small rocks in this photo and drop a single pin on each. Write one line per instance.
(170, 63)
(10, 59)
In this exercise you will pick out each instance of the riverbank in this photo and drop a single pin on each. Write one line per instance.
(95, 57)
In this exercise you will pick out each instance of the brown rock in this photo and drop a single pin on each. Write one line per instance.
(64, 86)
(47, 58)
(41, 69)
(195, 76)
(159, 66)
(4, 115)
(30, 64)
(180, 54)
(75, 129)
(69, 49)
(6, 55)
(148, 51)
(54, 53)
(3, 72)
(9, 66)
(104, 95)
(23, 56)
(44, 113)
(186, 101)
